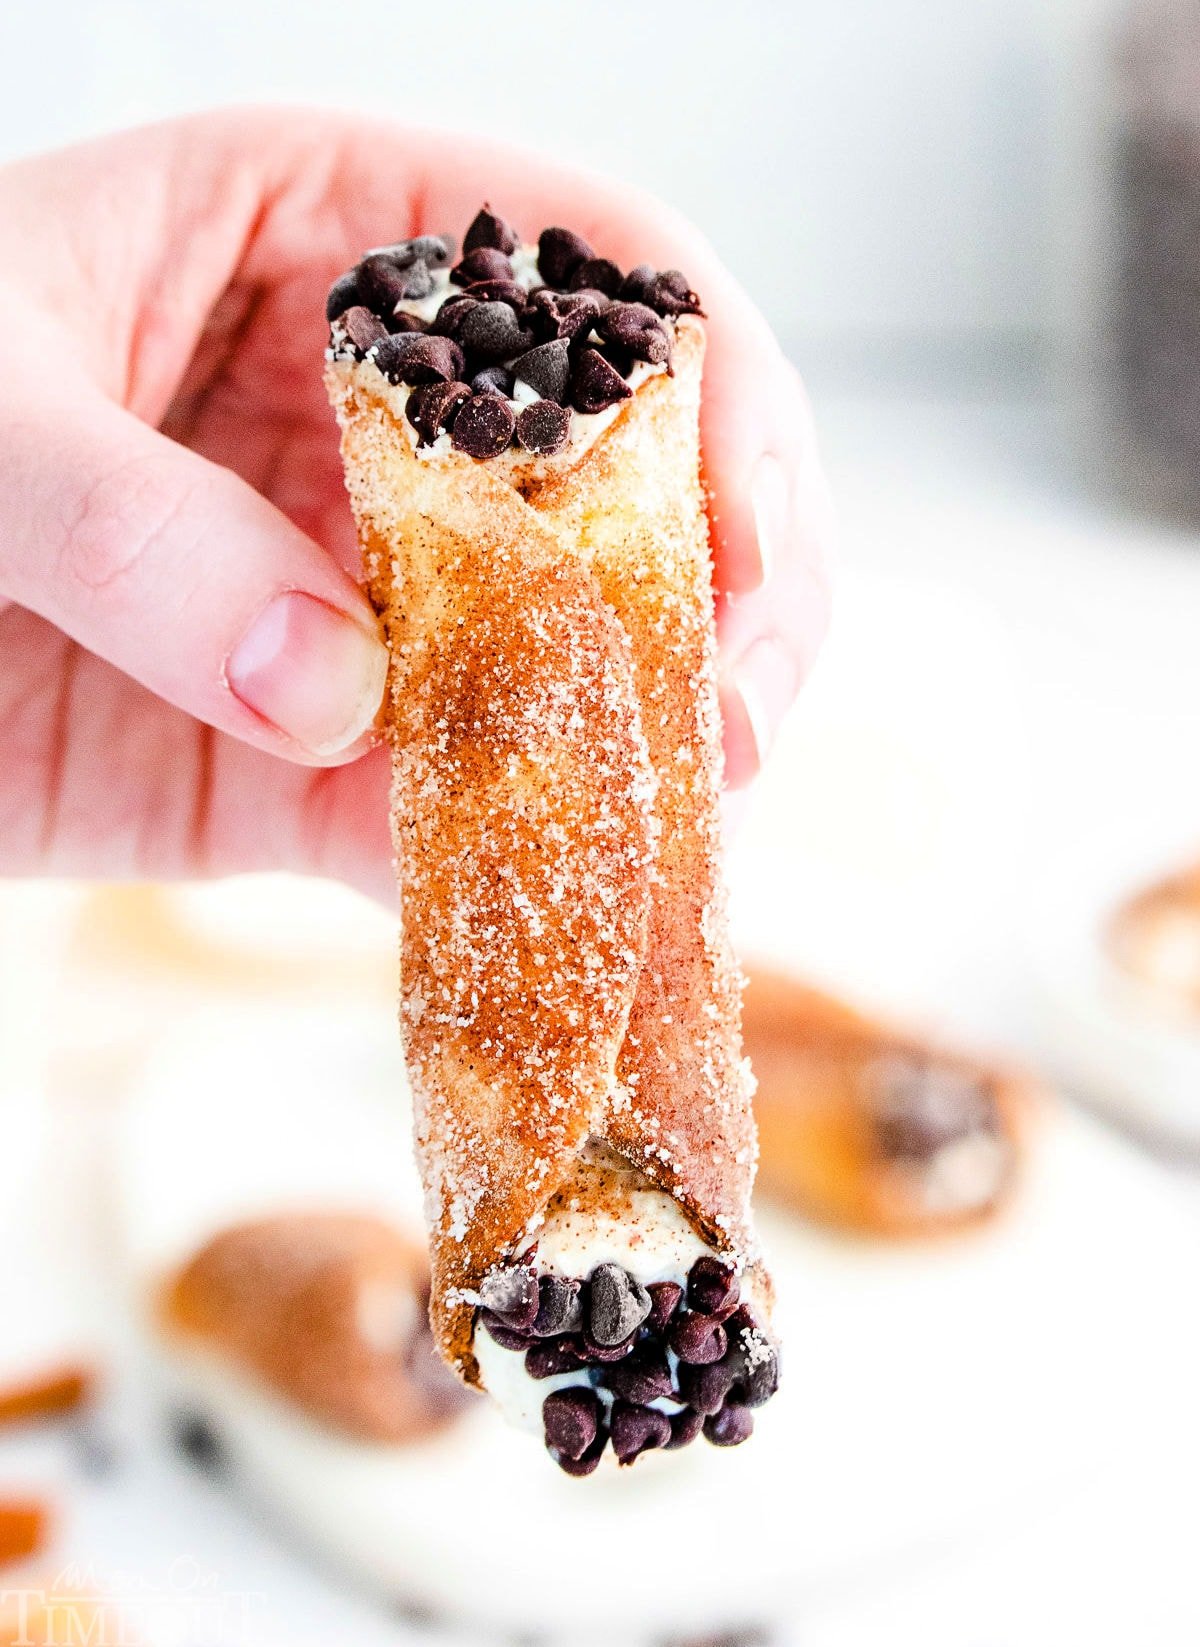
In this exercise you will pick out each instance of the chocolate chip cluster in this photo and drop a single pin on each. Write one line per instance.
(920, 1109)
(573, 338)
(697, 1347)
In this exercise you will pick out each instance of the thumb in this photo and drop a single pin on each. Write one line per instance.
(181, 575)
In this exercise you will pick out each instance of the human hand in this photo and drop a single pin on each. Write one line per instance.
(178, 607)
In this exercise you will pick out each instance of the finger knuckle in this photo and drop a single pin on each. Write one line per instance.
(120, 518)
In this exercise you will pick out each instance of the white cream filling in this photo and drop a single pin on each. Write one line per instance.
(642, 1229)
(630, 1223)
(966, 1174)
(518, 1396)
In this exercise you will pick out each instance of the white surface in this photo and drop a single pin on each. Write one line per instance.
(1012, 679)
(872, 169)
(914, 1419)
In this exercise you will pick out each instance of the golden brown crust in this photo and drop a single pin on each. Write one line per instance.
(817, 1060)
(47, 1393)
(634, 510)
(554, 729)
(328, 1310)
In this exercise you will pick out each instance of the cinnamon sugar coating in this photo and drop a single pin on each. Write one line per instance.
(566, 967)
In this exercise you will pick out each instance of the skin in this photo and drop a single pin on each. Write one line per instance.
(170, 464)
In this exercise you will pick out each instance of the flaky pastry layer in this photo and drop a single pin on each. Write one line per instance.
(566, 968)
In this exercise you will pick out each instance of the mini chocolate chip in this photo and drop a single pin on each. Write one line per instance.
(493, 380)
(595, 300)
(199, 1442)
(620, 360)
(730, 1427)
(664, 1301)
(544, 427)
(595, 384)
(754, 1360)
(546, 369)
(487, 229)
(642, 1377)
(636, 1429)
(588, 1462)
(739, 1322)
(498, 291)
(598, 273)
(560, 252)
(343, 295)
(434, 249)
(637, 329)
(380, 283)
(362, 327)
(447, 322)
(713, 1287)
(492, 331)
(383, 283)
(402, 321)
(508, 1338)
(637, 283)
(511, 1290)
(559, 1307)
(619, 1304)
(563, 314)
(484, 426)
(685, 1427)
(553, 1356)
(430, 409)
(707, 1388)
(669, 294)
(571, 1420)
(484, 263)
(418, 280)
(603, 1354)
(697, 1339)
(762, 1381)
(417, 357)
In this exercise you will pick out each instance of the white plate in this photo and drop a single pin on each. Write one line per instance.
(932, 1394)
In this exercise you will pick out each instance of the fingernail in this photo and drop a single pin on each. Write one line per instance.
(762, 685)
(770, 501)
(312, 671)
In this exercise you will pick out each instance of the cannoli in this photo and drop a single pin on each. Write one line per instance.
(46, 1393)
(1154, 938)
(521, 445)
(329, 1311)
(870, 1128)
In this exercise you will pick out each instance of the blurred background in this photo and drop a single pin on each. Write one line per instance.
(975, 229)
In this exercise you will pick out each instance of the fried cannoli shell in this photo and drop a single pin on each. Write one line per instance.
(46, 1393)
(816, 1059)
(566, 971)
(327, 1309)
